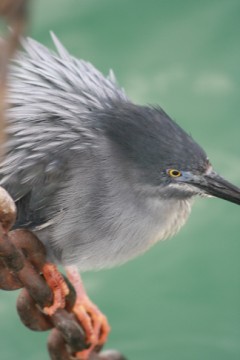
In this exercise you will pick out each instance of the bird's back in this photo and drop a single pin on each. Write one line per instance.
(49, 102)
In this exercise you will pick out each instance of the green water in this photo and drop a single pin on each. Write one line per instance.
(181, 300)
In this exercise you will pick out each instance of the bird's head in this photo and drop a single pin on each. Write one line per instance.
(161, 158)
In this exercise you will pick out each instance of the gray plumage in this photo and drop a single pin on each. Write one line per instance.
(87, 168)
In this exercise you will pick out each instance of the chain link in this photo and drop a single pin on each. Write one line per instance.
(22, 257)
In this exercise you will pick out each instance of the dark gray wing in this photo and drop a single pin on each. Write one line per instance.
(50, 100)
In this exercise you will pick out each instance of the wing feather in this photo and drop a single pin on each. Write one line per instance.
(51, 97)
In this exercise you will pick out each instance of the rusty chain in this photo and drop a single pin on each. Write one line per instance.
(22, 255)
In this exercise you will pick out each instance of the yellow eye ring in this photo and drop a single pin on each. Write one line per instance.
(174, 173)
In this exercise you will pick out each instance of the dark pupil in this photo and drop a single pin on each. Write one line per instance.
(175, 173)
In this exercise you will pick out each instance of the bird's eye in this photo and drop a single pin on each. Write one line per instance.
(174, 173)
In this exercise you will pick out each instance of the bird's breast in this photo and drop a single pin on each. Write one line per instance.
(162, 220)
(126, 234)
(172, 216)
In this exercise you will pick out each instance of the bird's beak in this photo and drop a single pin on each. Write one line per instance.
(214, 185)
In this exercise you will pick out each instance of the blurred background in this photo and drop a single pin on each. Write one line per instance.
(181, 300)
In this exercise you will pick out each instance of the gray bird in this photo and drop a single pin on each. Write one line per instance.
(96, 177)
